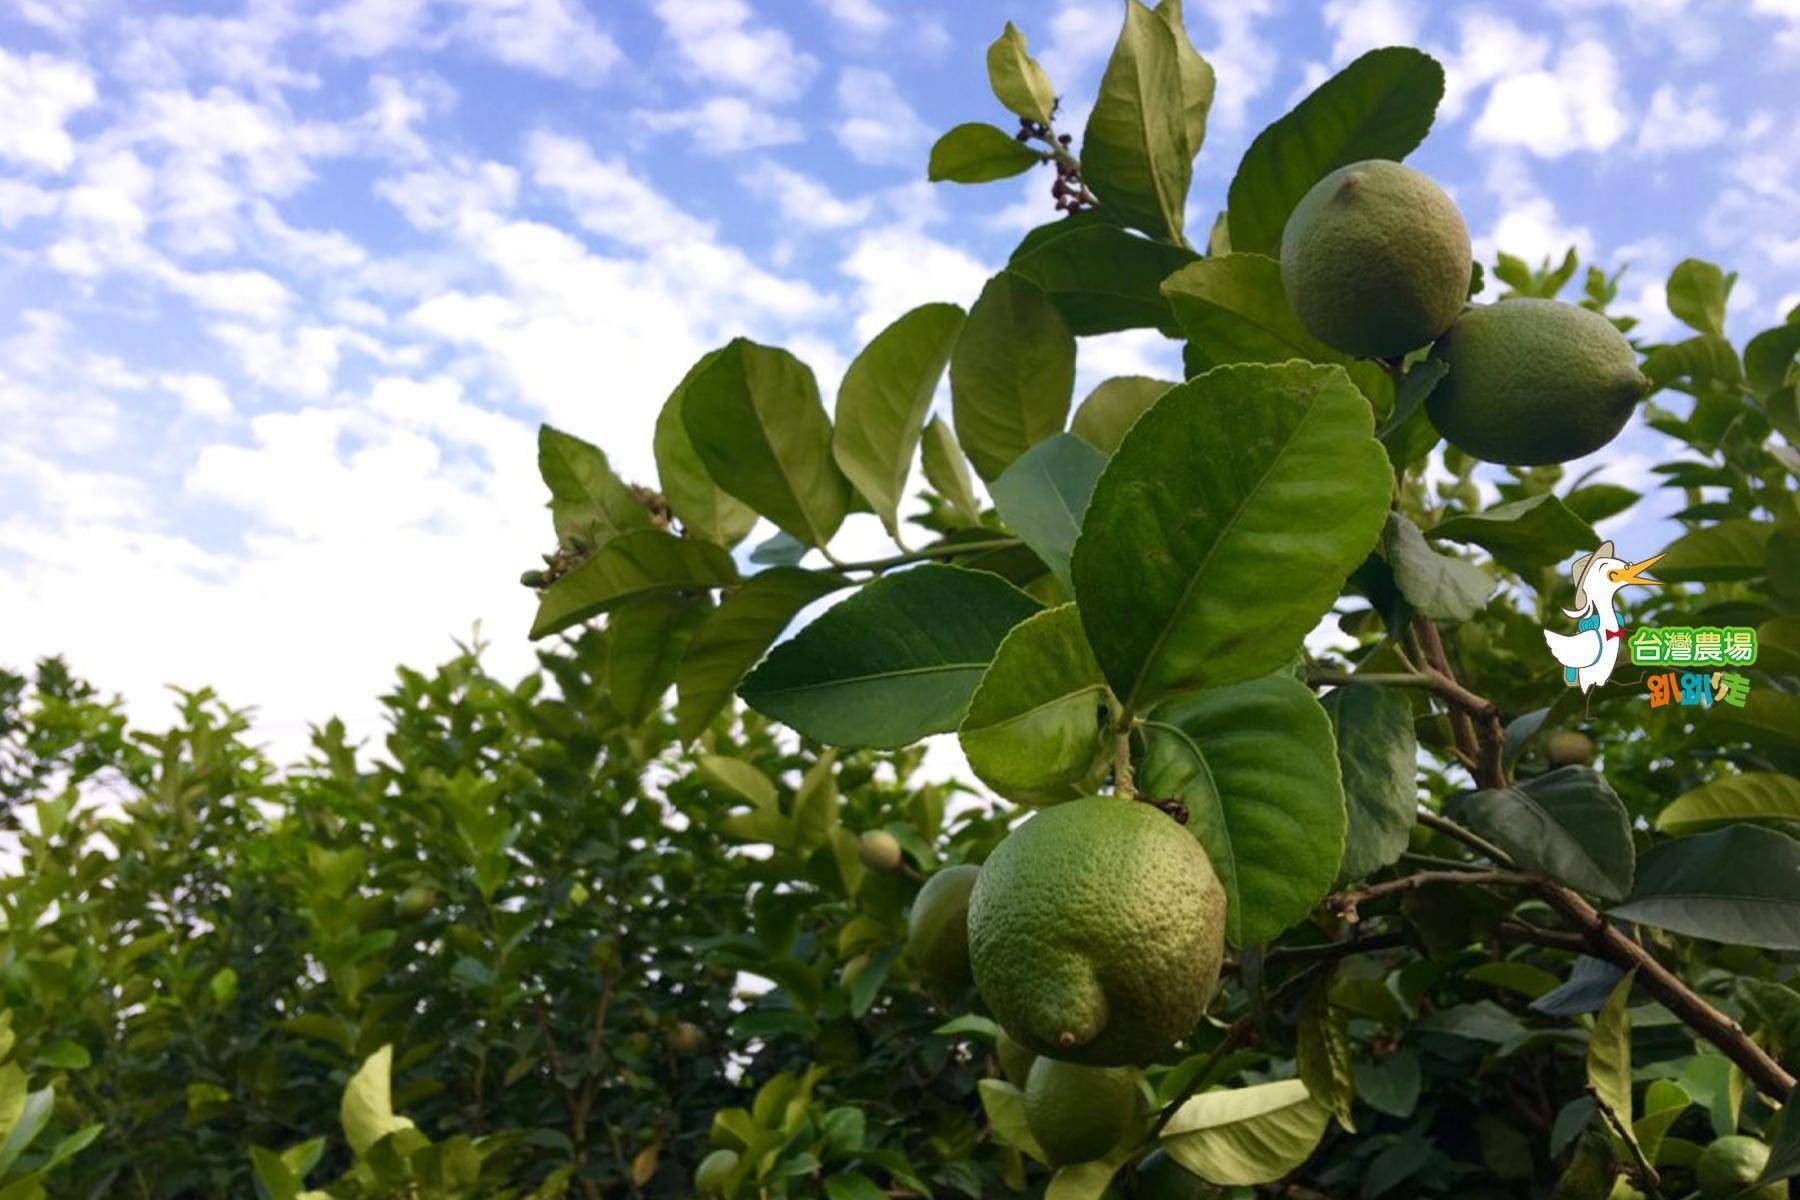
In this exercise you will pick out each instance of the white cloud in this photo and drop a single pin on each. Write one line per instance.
(201, 395)
(1074, 41)
(864, 17)
(1489, 47)
(366, 28)
(38, 94)
(1244, 61)
(606, 197)
(1684, 119)
(719, 41)
(803, 200)
(879, 126)
(1358, 26)
(898, 268)
(1528, 225)
(724, 125)
(554, 37)
(1552, 112)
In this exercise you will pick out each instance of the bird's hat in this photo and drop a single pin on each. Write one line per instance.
(1579, 572)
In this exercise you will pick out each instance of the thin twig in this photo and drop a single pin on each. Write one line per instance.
(1465, 835)
(1344, 904)
(937, 550)
(1645, 1172)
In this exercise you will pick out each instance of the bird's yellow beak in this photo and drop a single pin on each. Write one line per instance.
(1634, 573)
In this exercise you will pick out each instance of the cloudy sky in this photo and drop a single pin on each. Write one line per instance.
(289, 286)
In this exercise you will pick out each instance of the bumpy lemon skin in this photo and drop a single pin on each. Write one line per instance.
(1078, 1113)
(1375, 259)
(937, 929)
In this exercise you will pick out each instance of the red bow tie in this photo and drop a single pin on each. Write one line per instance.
(1616, 633)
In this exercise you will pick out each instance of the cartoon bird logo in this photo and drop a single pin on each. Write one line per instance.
(1589, 655)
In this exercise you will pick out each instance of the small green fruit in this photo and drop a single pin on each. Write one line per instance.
(1733, 1163)
(1160, 1177)
(1375, 259)
(714, 1172)
(687, 1038)
(578, 894)
(1567, 748)
(1096, 931)
(879, 850)
(1015, 1060)
(937, 930)
(1078, 1113)
(415, 901)
(1534, 382)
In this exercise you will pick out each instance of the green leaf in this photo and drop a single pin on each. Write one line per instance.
(1202, 560)
(1522, 534)
(1528, 981)
(1113, 406)
(947, 471)
(1598, 501)
(1004, 1105)
(1197, 79)
(1257, 769)
(34, 1114)
(1407, 431)
(754, 417)
(1087, 1180)
(1390, 1085)
(704, 509)
(737, 635)
(645, 640)
(1102, 278)
(854, 1186)
(631, 565)
(65, 1055)
(1732, 549)
(1012, 374)
(1569, 824)
(1324, 1054)
(1739, 885)
(1378, 759)
(1044, 494)
(1609, 1052)
(884, 399)
(367, 1110)
(273, 1175)
(1769, 719)
(976, 152)
(1246, 1136)
(1036, 728)
(1696, 294)
(1769, 357)
(586, 499)
(892, 664)
(1018, 82)
(1752, 796)
(1134, 154)
(1233, 309)
(1380, 106)
(1440, 586)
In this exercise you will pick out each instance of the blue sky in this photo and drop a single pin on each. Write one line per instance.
(288, 286)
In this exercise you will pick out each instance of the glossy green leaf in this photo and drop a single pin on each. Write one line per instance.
(754, 417)
(1407, 431)
(740, 631)
(1598, 501)
(1012, 374)
(629, 566)
(1522, 534)
(883, 402)
(1609, 1053)
(1569, 824)
(1100, 277)
(1390, 1085)
(1696, 293)
(1378, 760)
(1018, 82)
(1323, 1050)
(1440, 586)
(704, 509)
(976, 152)
(947, 470)
(1752, 796)
(645, 640)
(1044, 494)
(1731, 549)
(893, 663)
(1769, 358)
(1246, 1136)
(586, 499)
(1036, 729)
(1380, 106)
(1233, 310)
(1203, 559)
(367, 1110)
(1134, 153)
(1111, 409)
(1256, 766)
(738, 780)
(1769, 719)
(1198, 81)
(1004, 1105)
(1739, 885)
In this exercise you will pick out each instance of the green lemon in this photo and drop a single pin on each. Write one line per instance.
(1160, 1177)
(937, 932)
(1096, 931)
(1015, 1060)
(879, 850)
(1078, 1113)
(687, 1038)
(416, 901)
(1533, 382)
(714, 1172)
(1733, 1163)
(1567, 748)
(1375, 259)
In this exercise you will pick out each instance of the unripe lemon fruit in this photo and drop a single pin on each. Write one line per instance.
(1160, 1177)
(879, 850)
(1567, 748)
(416, 901)
(1375, 259)
(687, 1038)
(1733, 1163)
(1078, 1113)
(1096, 931)
(1015, 1060)
(714, 1172)
(937, 931)
(1533, 382)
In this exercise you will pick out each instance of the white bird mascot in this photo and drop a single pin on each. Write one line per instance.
(1589, 655)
